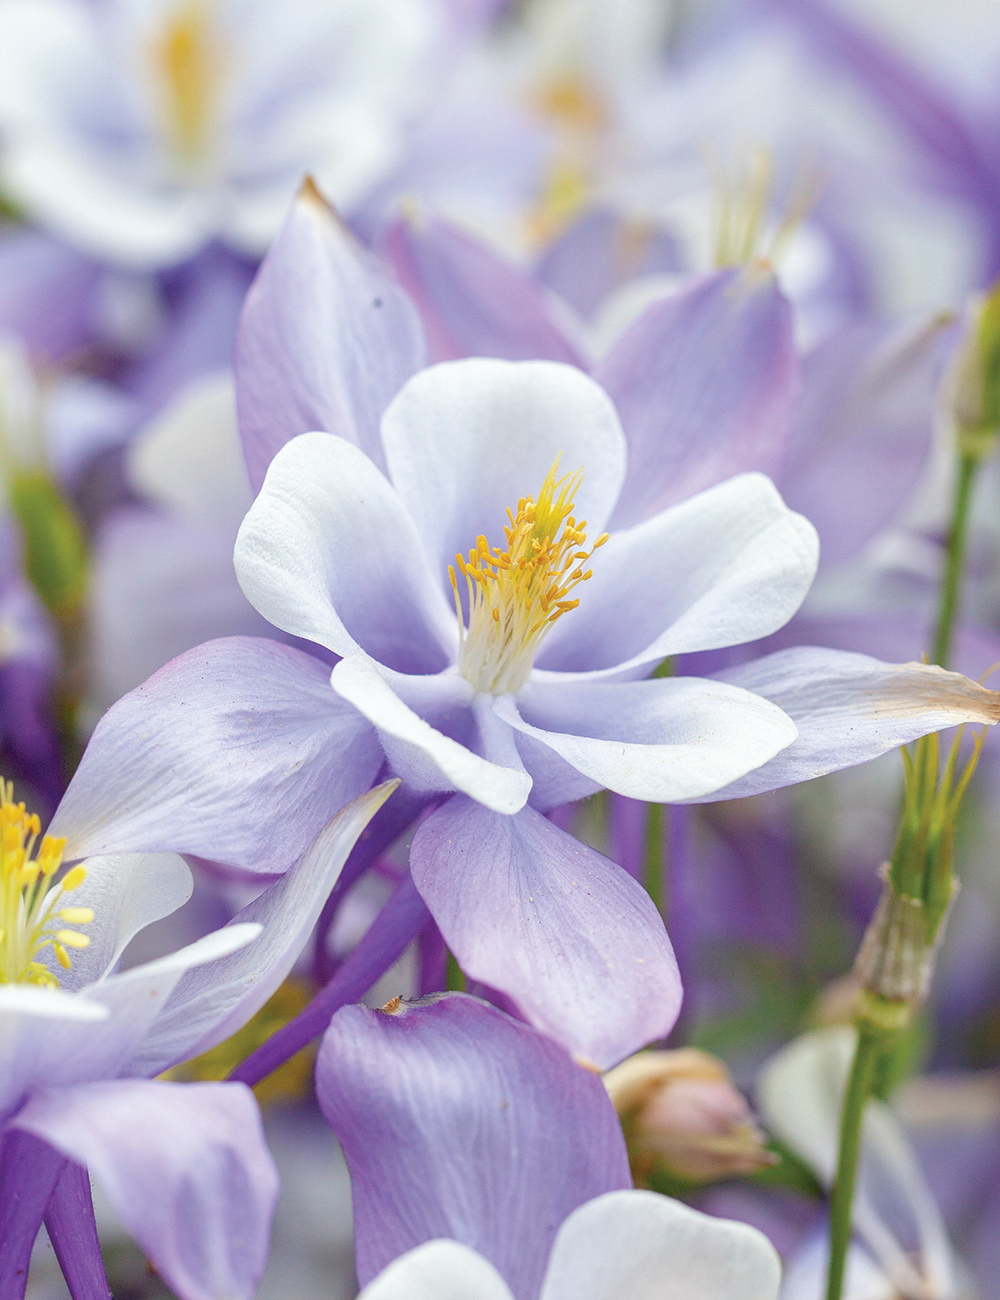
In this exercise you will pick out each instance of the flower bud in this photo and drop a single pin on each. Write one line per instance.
(975, 378)
(682, 1116)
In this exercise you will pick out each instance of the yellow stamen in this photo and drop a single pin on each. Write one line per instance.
(744, 196)
(516, 595)
(29, 901)
(187, 58)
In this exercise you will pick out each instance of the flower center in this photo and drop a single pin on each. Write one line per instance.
(187, 59)
(29, 913)
(516, 595)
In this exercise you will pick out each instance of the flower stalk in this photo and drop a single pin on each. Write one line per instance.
(895, 963)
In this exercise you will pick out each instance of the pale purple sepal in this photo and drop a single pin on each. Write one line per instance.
(704, 383)
(862, 430)
(211, 1002)
(237, 751)
(473, 302)
(186, 1168)
(849, 708)
(396, 926)
(457, 1121)
(568, 935)
(960, 156)
(325, 340)
(603, 251)
(29, 1170)
(69, 1221)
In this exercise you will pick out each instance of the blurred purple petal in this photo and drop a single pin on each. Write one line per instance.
(185, 1167)
(207, 296)
(472, 300)
(704, 383)
(457, 1121)
(862, 430)
(603, 251)
(566, 933)
(961, 161)
(49, 293)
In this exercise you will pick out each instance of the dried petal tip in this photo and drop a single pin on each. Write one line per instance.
(682, 1116)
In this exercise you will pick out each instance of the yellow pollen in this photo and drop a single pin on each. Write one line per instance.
(29, 901)
(188, 61)
(516, 595)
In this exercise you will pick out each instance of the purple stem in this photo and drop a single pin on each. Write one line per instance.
(29, 1170)
(433, 960)
(391, 820)
(398, 923)
(73, 1233)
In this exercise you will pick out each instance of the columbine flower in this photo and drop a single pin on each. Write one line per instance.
(82, 1040)
(484, 1163)
(531, 690)
(142, 133)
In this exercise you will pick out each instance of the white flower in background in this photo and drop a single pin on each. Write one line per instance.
(901, 1246)
(143, 129)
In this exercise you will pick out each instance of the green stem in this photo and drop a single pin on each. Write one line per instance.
(859, 1088)
(654, 853)
(958, 531)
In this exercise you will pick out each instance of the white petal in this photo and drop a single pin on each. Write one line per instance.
(648, 1247)
(127, 892)
(464, 440)
(728, 566)
(424, 757)
(800, 1093)
(41, 1050)
(806, 1273)
(438, 1270)
(662, 741)
(50, 1004)
(328, 552)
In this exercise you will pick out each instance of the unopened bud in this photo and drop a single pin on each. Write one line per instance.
(975, 378)
(681, 1114)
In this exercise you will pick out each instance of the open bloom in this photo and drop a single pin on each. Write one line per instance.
(143, 131)
(82, 1040)
(485, 1164)
(523, 682)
